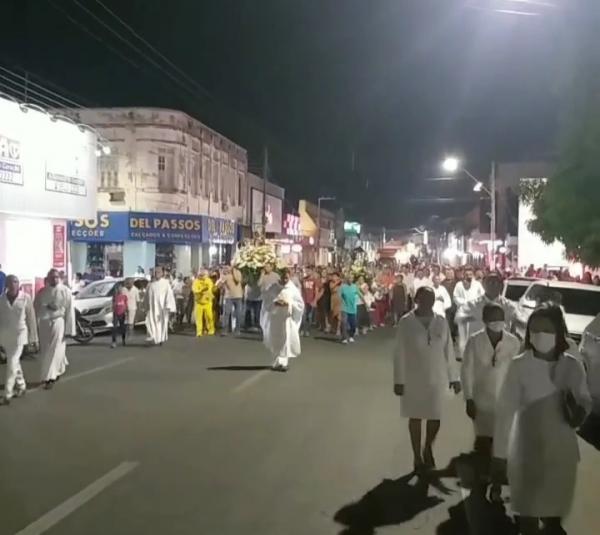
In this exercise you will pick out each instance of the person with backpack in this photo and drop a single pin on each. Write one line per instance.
(120, 307)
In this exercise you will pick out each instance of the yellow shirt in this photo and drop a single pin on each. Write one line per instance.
(203, 290)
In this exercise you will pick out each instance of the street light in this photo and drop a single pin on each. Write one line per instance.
(451, 164)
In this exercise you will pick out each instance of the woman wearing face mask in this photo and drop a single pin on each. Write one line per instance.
(543, 400)
(488, 354)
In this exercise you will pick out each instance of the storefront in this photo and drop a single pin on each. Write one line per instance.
(47, 176)
(119, 243)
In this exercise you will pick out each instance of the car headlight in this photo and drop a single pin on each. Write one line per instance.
(106, 310)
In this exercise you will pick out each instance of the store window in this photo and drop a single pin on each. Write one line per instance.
(105, 259)
(165, 256)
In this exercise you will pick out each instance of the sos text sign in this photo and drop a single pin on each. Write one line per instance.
(107, 227)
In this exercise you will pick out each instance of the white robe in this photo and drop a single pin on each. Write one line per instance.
(442, 300)
(461, 297)
(482, 375)
(133, 296)
(281, 324)
(471, 313)
(54, 325)
(424, 362)
(160, 302)
(532, 433)
(590, 351)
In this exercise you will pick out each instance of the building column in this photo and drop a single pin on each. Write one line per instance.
(138, 253)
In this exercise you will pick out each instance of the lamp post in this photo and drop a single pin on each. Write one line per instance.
(452, 165)
(319, 201)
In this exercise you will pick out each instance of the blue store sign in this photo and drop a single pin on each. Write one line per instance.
(116, 227)
(165, 228)
(108, 227)
(216, 230)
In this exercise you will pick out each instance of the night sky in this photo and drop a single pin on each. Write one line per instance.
(355, 98)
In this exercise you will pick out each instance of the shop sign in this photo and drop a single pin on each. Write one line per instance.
(11, 168)
(58, 247)
(216, 230)
(352, 227)
(291, 225)
(106, 227)
(165, 228)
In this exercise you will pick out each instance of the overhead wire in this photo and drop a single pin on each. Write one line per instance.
(28, 86)
(108, 27)
(155, 50)
(93, 35)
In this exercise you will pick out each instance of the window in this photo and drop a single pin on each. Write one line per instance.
(162, 164)
(240, 189)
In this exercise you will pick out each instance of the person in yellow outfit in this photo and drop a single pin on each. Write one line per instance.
(203, 289)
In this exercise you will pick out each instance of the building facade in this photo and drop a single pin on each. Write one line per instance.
(318, 228)
(164, 163)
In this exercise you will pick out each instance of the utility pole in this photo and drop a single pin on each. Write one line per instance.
(265, 173)
(493, 215)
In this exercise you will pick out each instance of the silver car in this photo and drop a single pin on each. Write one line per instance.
(94, 302)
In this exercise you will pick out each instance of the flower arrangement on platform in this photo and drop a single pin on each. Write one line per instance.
(252, 258)
(359, 269)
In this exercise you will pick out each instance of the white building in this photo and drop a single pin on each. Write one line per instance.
(168, 163)
(48, 170)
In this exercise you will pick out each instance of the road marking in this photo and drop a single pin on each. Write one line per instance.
(97, 369)
(87, 372)
(246, 383)
(54, 516)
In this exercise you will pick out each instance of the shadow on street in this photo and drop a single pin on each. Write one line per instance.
(590, 431)
(238, 368)
(392, 502)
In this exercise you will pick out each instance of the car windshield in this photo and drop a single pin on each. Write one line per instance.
(515, 291)
(573, 300)
(97, 289)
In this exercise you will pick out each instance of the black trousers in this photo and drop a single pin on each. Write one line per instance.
(119, 326)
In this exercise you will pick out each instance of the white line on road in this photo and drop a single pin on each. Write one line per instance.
(54, 516)
(97, 369)
(88, 372)
(246, 383)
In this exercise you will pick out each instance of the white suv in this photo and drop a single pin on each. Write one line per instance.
(580, 302)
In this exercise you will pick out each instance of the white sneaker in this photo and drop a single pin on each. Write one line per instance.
(351, 340)
(344, 341)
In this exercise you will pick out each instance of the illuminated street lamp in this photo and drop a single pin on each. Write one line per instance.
(451, 164)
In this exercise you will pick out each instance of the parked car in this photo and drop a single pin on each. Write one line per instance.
(590, 351)
(515, 287)
(580, 303)
(94, 302)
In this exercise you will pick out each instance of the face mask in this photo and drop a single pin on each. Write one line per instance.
(495, 326)
(543, 342)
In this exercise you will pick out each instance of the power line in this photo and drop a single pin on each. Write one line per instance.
(155, 50)
(93, 35)
(132, 46)
(26, 82)
(32, 95)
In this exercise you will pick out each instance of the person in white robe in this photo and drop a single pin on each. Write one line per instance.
(487, 356)
(281, 317)
(18, 328)
(442, 298)
(465, 291)
(470, 315)
(543, 399)
(425, 368)
(56, 320)
(133, 298)
(159, 304)
(590, 352)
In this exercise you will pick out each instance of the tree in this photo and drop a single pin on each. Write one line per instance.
(567, 207)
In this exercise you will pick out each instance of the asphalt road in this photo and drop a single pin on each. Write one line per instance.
(195, 438)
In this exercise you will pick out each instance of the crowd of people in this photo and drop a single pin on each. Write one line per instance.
(454, 333)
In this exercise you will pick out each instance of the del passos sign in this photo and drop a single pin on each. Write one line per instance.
(115, 227)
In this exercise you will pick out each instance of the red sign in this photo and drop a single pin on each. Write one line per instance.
(59, 247)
